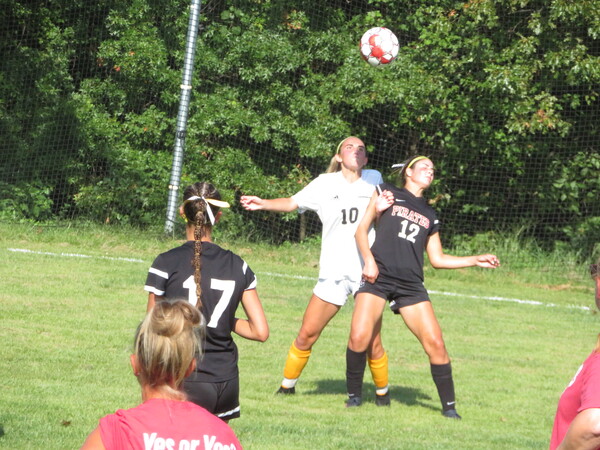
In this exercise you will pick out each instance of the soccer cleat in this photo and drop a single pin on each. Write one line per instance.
(451, 414)
(353, 402)
(382, 400)
(286, 391)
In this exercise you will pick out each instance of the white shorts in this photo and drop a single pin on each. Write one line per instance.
(335, 292)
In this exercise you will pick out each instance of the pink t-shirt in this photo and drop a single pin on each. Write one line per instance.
(583, 392)
(160, 424)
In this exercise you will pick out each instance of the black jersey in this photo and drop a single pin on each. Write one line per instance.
(225, 277)
(401, 235)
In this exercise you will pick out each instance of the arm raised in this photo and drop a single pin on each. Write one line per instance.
(253, 203)
(441, 260)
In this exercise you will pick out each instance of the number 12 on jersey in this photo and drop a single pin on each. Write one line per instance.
(413, 229)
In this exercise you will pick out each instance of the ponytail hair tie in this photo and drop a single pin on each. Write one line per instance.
(208, 201)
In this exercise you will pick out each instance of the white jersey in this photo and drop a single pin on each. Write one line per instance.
(340, 205)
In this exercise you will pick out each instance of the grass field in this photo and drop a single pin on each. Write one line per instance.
(69, 306)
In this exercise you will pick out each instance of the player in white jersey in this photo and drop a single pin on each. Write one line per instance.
(217, 281)
(340, 198)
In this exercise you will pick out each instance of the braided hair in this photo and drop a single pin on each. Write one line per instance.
(196, 213)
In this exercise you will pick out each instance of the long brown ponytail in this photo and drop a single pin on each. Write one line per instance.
(195, 208)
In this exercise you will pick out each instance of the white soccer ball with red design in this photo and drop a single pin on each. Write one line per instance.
(379, 46)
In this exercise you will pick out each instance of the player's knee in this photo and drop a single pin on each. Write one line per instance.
(435, 347)
(305, 341)
(359, 340)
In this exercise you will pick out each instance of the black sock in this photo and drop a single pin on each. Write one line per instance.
(442, 377)
(355, 370)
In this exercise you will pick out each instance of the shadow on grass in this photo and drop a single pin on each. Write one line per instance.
(403, 395)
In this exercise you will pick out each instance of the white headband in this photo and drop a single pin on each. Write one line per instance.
(208, 201)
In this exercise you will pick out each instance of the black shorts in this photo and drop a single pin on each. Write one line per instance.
(222, 399)
(398, 292)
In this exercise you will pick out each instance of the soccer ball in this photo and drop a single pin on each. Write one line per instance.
(379, 46)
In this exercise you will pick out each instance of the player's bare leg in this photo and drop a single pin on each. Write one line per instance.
(316, 317)
(421, 321)
(375, 349)
(366, 324)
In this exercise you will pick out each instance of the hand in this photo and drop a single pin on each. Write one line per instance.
(251, 202)
(488, 261)
(384, 201)
(370, 271)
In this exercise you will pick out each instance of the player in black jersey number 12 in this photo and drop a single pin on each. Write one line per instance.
(393, 272)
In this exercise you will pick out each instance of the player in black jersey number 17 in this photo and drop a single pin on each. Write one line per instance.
(217, 281)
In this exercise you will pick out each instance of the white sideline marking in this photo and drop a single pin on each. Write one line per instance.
(301, 277)
(454, 294)
(73, 255)
(283, 275)
(513, 300)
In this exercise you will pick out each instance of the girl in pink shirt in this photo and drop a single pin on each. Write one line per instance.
(166, 346)
(577, 421)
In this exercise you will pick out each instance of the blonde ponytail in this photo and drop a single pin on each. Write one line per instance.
(166, 343)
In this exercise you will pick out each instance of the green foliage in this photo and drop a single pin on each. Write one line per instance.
(502, 95)
(585, 238)
(25, 201)
(128, 194)
(502, 51)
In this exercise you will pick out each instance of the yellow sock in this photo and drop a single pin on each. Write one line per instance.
(295, 362)
(379, 371)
